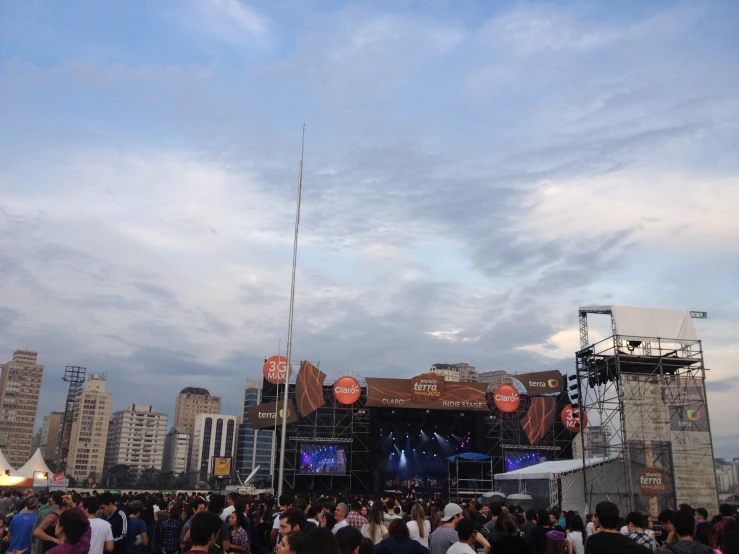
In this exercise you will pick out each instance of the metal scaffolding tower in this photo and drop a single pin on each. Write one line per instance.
(75, 376)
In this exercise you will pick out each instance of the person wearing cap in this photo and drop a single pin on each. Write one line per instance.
(21, 527)
(137, 536)
(468, 536)
(446, 534)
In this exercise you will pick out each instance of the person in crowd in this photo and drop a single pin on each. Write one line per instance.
(54, 502)
(701, 515)
(556, 540)
(290, 542)
(72, 532)
(21, 527)
(231, 499)
(554, 521)
(204, 531)
(375, 529)
(101, 535)
(590, 526)
(635, 523)
(489, 528)
(238, 537)
(684, 528)
(314, 515)
(319, 541)
(342, 510)
(727, 514)
(434, 517)
(169, 532)
(262, 530)
(348, 540)
(328, 514)
(511, 542)
(539, 533)
(576, 536)
(730, 541)
(355, 518)
(528, 526)
(291, 520)
(137, 532)
(704, 535)
(474, 512)
(3, 535)
(364, 511)
(118, 522)
(468, 536)
(667, 519)
(446, 534)
(609, 540)
(419, 528)
(285, 503)
(399, 541)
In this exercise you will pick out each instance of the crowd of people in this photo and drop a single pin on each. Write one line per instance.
(174, 524)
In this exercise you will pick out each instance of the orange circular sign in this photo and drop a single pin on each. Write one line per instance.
(572, 421)
(347, 390)
(274, 369)
(506, 398)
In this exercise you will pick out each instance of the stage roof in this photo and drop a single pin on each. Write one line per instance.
(547, 470)
(649, 322)
(470, 456)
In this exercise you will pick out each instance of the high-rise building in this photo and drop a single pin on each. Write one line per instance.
(176, 445)
(255, 446)
(190, 402)
(90, 430)
(459, 372)
(20, 385)
(49, 433)
(136, 438)
(214, 436)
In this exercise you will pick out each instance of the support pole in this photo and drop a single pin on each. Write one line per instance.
(290, 323)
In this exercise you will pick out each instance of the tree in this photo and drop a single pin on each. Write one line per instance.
(119, 476)
(165, 480)
(149, 478)
(181, 482)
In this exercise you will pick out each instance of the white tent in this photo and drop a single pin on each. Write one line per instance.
(4, 465)
(562, 482)
(31, 469)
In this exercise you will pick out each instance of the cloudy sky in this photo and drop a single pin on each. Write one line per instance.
(474, 172)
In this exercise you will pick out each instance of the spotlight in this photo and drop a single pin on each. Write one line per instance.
(572, 377)
(574, 396)
(573, 387)
(575, 405)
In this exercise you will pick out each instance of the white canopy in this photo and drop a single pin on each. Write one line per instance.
(550, 470)
(33, 466)
(5, 466)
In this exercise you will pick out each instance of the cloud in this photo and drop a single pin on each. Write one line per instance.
(231, 21)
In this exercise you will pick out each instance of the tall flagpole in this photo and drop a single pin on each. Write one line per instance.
(290, 324)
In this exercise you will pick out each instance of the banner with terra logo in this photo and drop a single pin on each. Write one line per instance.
(262, 416)
(652, 473)
(542, 382)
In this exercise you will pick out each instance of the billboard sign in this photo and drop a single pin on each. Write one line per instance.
(262, 416)
(222, 467)
(400, 393)
(691, 417)
(427, 388)
(506, 398)
(542, 382)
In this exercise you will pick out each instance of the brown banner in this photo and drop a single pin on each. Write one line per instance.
(262, 416)
(539, 418)
(398, 393)
(542, 382)
(309, 388)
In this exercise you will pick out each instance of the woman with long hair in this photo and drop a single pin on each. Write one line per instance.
(291, 543)
(511, 542)
(399, 541)
(418, 528)
(576, 536)
(434, 517)
(730, 541)
(375, 529)
(237, 531)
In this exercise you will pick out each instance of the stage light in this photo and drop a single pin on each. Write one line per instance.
(573, 387)
(575, 405)
(574, 396)
(572, 377)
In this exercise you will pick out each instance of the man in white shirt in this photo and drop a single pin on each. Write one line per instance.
(468, 536)
(342, 510)
(230, 500)
(101, 534)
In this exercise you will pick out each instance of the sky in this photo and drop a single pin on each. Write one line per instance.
(474, 172)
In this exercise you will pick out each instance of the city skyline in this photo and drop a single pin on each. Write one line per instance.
(474, 172)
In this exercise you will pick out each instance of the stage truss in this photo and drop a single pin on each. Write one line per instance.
(637, 394)
(332, 423)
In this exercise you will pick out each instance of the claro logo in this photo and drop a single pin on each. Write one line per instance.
(347, 390)
(506, 398)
